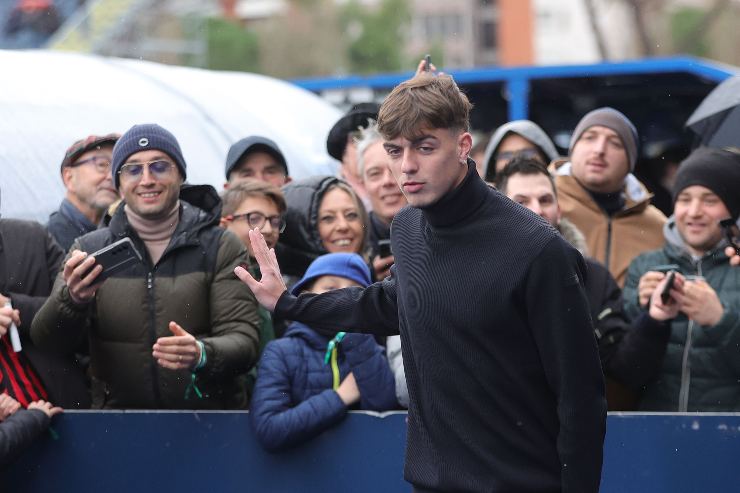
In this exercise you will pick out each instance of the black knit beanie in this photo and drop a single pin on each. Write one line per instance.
(146, 137)
(716, 169)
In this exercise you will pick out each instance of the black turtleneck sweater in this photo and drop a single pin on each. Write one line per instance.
(505, 385)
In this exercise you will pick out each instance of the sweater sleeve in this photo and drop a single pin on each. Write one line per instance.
(231, 347)
(371, 310)
(372, 373)
(18, 431)
(559, 318)
(277, 423)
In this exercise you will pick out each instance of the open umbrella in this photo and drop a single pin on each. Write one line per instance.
(717, 119)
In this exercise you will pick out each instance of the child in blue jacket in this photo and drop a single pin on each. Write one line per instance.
(307, 381)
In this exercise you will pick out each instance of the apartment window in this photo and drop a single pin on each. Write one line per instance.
(487, 35)
(442, 26)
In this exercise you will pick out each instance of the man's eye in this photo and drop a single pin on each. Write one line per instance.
(245, 173)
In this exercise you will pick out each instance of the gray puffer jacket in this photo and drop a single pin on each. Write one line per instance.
(701, 368)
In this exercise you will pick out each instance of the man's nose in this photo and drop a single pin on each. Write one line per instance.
(535, 207)
(408, 163)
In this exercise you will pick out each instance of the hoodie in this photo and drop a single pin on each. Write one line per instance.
(524, 128)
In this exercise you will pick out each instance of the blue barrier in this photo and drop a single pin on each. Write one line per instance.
(216, 451)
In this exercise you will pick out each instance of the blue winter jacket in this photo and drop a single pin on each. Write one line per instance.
(293, 399)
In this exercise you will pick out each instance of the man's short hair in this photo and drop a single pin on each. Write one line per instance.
(424, 101)
(520, 165)
(368, 136)
(235, 195)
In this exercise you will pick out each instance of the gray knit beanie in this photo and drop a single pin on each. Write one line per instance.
(615, 120)
(146, 137)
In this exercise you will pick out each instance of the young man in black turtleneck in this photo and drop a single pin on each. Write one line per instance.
(505, 386)
(599, 194)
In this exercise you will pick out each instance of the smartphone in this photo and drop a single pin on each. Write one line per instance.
(665, 295)
(428, 63)
(384, 248)
(116, 257)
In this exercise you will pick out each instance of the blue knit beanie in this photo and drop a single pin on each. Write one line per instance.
(146, 137)
(347, 265)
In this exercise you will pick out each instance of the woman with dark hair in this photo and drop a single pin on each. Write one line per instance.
(324, 215)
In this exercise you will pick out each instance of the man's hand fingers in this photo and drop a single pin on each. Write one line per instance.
(177, 330)
(259, 247)
(246, 278)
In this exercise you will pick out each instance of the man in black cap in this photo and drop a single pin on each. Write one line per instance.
(342, 146)
(256, 158)
(173, 331)
(86, 175)
(701, 368)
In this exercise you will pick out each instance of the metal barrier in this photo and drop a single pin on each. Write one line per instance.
(217, 452)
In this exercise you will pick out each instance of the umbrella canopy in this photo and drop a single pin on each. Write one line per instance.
(50, 99)
(717, 119)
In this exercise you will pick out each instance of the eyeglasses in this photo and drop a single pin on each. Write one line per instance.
(134, 171)
(529, 153)
(258, 220)
(101, 164)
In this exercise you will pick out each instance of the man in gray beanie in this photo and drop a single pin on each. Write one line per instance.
(601, 196)
(700, 369)
(176, 330)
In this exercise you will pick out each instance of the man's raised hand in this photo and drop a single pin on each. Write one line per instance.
(271, 286)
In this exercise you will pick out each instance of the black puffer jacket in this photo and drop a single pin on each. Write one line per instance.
(193, 284)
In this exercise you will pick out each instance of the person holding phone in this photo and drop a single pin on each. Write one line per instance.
(173, 331)
(701, 368)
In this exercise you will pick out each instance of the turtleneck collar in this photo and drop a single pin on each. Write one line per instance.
(155, 233)
(611, 203)
(460, 203)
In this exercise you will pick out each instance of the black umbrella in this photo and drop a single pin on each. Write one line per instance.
(717, 119)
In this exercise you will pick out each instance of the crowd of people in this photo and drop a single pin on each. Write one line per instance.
(527, 289)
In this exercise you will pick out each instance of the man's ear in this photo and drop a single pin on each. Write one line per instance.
(288, 179)
(67, 173)
(223, 222)
(464, 143)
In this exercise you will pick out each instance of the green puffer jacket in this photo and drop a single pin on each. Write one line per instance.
(701, 368)
(193, 284)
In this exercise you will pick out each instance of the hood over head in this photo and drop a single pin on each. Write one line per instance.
(524, 128)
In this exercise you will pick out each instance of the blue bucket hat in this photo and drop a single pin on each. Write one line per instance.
(347, 265)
